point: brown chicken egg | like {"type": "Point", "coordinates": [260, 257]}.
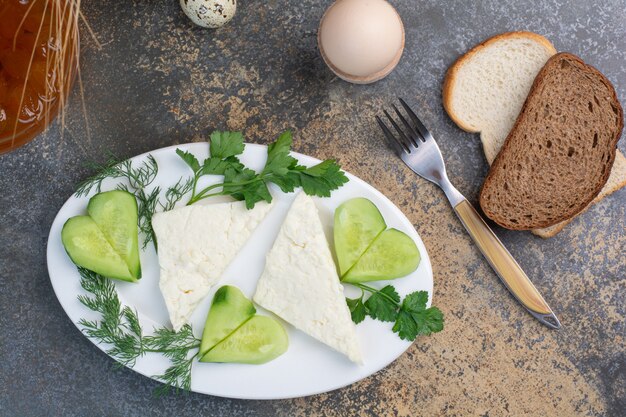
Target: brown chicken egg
{"type": "Point", "coordinates": [361, 40]}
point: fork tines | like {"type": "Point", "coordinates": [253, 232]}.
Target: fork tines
{"type": "Point", "coordinates": [409, 138]}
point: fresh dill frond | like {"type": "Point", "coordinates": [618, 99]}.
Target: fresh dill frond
{"type": "Point", "coordinates": [120, 328]}
{"type": "Point", "coordinates": [176, 192]}
{"type": "Point", "coordinates": [109, 169]}
{"type": "Point", "coordinates": [177, 377]}
{"type": "Point", "coordinates": [141, 177]}
{"type": "Point", "coordinates": [177, 347]}
{"type": "Point", "coordinates": [138, 178]}
{"type": "Point", "coordinates": [165, 339]}
{"type": "Point", "coordinates": [132, 321]}
{"type": "Point", "coordinates": [146, 207]}
{"type": "Point", "coordinates": [147, 203]}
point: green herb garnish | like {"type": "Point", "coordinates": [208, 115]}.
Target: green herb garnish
{"type": "Point", "coordinates": [175, 193]}
{"type": "Point", "coordinates": [138, 178]}
{"type": "Point", "coordinates": [411, 317]}
{"type": "Point", "coordinates": [119, 327]}
{"type": "Point", "coordinates": [245, 184]}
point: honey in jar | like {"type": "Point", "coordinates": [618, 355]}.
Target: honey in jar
{"type": "Point", "coordinates": [38, 59]}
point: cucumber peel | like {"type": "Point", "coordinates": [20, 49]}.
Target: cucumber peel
{"type": "Point", "coordinates": [368, 251]}
{"type": "Point", "coordinates": [106, 240]}
{"type": "Point", "coordinates": [391, 255]}
{"type": "Point", "coordinates": [115, 213]}
{"type": "Point", "coordinates": [229, 310]}
{"type": "Point", "coordinates": [259, 340]}
{"type": "Point", "coordinates": [234, 334]}
{"type": "Point", "coordinates": [357, 223]}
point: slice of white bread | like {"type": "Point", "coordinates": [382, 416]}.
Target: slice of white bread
{"type": "Point", "coordinates": [486, 88]}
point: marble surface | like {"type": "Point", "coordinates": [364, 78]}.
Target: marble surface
{"type": "Point", "coordinates": [157, 81]}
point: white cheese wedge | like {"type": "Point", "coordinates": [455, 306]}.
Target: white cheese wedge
{"type": "Point", "coordinates": [195, 245]}
{"type": "Point", "coordinates": [300, 282]}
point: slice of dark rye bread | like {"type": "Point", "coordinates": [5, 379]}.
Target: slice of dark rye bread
{"type": "Point", "coordinates": [559, 154]}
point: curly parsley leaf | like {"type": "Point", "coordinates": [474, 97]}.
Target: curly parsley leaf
{"type": "Point", "coordinates": [415, 319]}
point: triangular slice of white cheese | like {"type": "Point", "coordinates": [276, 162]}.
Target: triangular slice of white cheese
{"type": "Point", "coordinates": [196, 243]}
{"type": "Point", "coordinates": [300, 282]}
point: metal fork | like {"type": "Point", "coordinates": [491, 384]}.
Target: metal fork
{"type": "Point", "coordinates": [418, 150]}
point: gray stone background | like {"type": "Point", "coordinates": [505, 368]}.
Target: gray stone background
{"type": "Point", "coordinates": [157, 81]}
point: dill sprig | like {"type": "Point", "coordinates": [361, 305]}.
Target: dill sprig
{"type": "Point", "coordinates": [176, 192]}
{"type": "Point", "coordinates": [145, 210]}
{"type": "Point", "coordinates": [113, 168]}
{"type": "Point", "coordinates": [141, 177]}
{"type": "Point", "coordinates": [119, 327]}
{"type": "Point", "coordinates": [176, 346]}
{"type": "Point", "coordinates": [138, 180]}
{"type": "Point", "coordinates": [109, 169]}
{"type": "Point", "coordinates": [146, 207]}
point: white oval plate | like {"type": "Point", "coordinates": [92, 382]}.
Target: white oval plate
{"type": "Point", "coordinates": [308, 367]}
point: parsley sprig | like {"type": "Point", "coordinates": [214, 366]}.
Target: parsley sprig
{"type": "Point", "coordinates": [411, 317]}
{"type": "Point", "coordinates": [119, 327]}
{"type": "Point", "coordinates": [243, 183]}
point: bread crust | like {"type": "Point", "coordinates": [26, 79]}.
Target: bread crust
{"type": "Point", "coordinates": [451, 75]}
{"type": "Point", "coordinates": [613, 148]}
{"type": "Point", "coordinates": [554, 229]}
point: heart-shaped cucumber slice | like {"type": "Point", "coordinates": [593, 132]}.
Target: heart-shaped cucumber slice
{"type": "Point", "coordinates": [357, 223]}
{"type": "Point", "coordinates": [365, 250]}
{"type": "Point", "coordinates": [87, 246]}
{"type": "Point", "coordinates": [393, 254]}
{"type": "Point", "coordinates": [259, 340]}
{"type": "Point", "coordinates": [232, 332]}
{"type": "Point", "coordinates": [106, 241]}
{"type": "Point", "coordinates": [115, 213]}
{"type": "Point", "coordinates": [229, 310]}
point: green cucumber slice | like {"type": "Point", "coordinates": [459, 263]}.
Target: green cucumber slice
{"type": "Point", "coordinates": [229, 310]}
{"type": "Point", "coordinates": [392, 255]}
{"type": "Point", "coordinates": [259, 340]}
{"type": "Point", "coordinates": [87, 246]}
{"type": "Point", "coordinates": [357, 223]}
{"type": "Point", "coordinates": [115, 213]}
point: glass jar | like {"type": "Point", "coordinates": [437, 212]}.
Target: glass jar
{"type": "Point", "coordinates": [38, 64]}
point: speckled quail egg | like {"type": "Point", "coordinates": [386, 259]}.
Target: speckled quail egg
{"type": "Point", "coordinates": [209, 13]}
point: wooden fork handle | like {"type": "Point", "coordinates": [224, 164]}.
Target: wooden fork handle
{"type": "Point", "coordinates": [505, 266]}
